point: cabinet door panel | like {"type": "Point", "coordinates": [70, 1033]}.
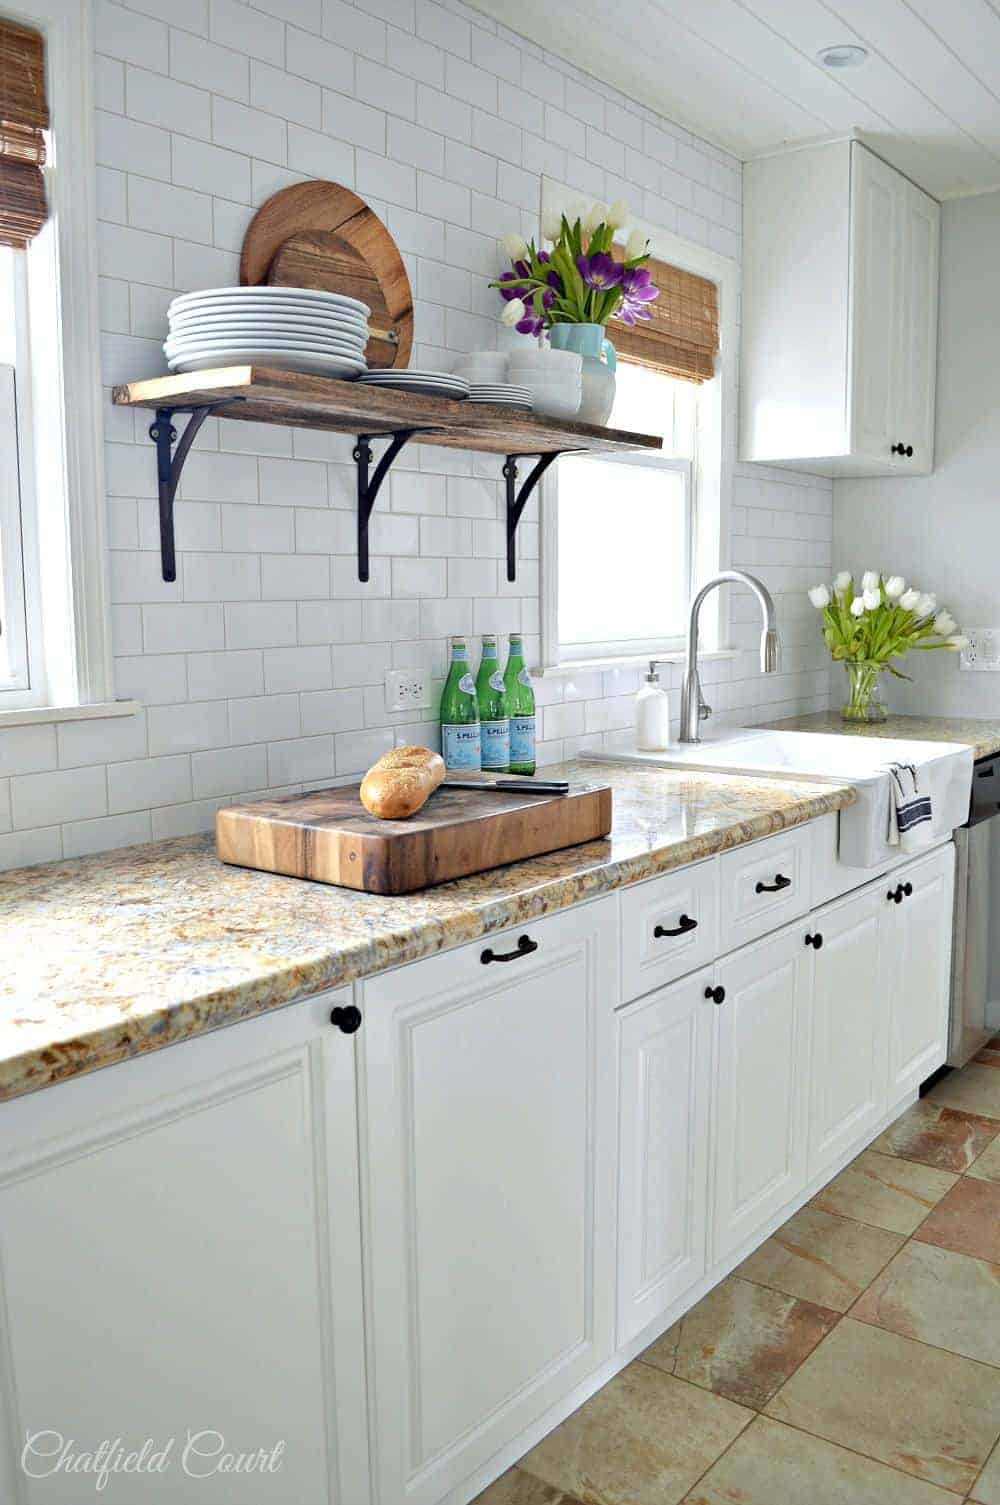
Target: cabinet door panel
{"type": "Point", "coordinates": [876, 191]}
{"type": "Point", "coordinates": [919, 965]}
{"type": "Point", "coordinates": [491, 1144]}
{"type": "Point", "coordinates": [186, 1259]}
{"type": "Point", "coordinates": [921, 220]}
{"type": "Point", "coordinates": [665, 1087]}
{"type": "Point", "coordinates": [850, 1018]}
{"type": "Point", "coordinates": [760, 1090]}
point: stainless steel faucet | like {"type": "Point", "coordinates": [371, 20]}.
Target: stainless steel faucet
{"type": "Point", "coordinates": [693, 708]}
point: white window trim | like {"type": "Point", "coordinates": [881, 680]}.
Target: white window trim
{"type": "Point", "coordinates": [713, 485]}
{"type": "Point", "coordinates": [80, 670]}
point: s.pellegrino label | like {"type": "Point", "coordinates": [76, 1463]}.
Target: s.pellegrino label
{"type": "Point", "coordinates": [521, 709]}
{"type": "Point", "coordinates": [461, 746]}
{"type": "Point", "coordinates": [494, 717]}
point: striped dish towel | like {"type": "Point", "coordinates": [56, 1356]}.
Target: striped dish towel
{"type": "Point", "coordinates": [911, 816]}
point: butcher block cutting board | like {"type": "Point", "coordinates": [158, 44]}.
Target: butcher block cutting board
{"type": "Point", "coordinates": [328, 835]}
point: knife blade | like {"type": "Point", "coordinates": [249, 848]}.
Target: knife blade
{"type": "Point", "coordinates": [509, 786]}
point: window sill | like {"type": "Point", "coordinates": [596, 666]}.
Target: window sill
{"type": "Point", "coordinates": [571, 667]}
{"type": "Point", "coordinates": [35, 715]}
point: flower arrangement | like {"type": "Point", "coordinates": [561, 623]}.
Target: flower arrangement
{"type": "Point", "coordinates": [866, 627]}
{"type": "Point", "coordinates": [577, 281]}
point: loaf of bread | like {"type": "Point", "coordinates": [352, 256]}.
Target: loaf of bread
{"type": "Point", "coordinates": [401, 782]}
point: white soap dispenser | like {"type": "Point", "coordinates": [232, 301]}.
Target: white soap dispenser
{"type": "Point", "coordinates": [652, 714]}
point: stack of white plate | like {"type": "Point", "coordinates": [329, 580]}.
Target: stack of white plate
{"type": "Point", "coordinates": [290, 327]}
{"type": "Point", "coordinates": [503, 393]}
{"type": "Point", "coordinates": [427, 383]}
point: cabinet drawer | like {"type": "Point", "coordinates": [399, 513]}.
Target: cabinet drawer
{"type": "Point", "coordinates": [763, 886]}
{"type": "Point", "coordinates": [670, 926]}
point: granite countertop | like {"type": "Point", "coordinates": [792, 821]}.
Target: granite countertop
{"type": "Point", "coordinates": [111, 956]}
{"type": "Point", "coordinates": [981, 735]}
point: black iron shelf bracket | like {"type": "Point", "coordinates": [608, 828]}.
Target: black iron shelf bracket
{"type": "Point", "coordinates": [518, 500]}
{"type": "Point", "coordinates": [170, 463]}
{"type": "Point", "coordinates": [369, 485]}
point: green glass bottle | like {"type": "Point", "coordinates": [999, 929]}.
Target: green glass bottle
{"type": "Point", "coordinates": [494, 717]}
{"type": "Point", "coordinates": [460, 737]}
{"type": "Point", "coordinates": [521, 708]}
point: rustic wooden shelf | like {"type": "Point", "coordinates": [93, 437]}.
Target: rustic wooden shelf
{"type": "Point", "coordinates": [265, 394]}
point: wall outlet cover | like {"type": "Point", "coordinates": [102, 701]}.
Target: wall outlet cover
{"type": "Point", "coordinates": [983, 653]}
{"type": "Point", "coordinates": [407, 690]}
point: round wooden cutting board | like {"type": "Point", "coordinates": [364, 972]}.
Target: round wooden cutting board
{"type": "Point", "coordinates": [322, 236]}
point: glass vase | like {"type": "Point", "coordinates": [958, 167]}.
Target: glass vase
{"type": "Point", "coordinates": [864, 693]}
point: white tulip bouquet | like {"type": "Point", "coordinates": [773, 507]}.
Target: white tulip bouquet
{"type": "Point", "coordinates": [867, 626]}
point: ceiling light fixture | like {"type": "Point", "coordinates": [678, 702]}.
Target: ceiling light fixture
{"type": "Point", "coordinates": [845, 56]}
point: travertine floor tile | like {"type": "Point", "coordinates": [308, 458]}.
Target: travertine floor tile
{"type": "Point", "coordinates": [741, 1340]}
{"type": "Point", "coordinates": [929, 1413]}
{"type": "Point", "coordinates": [821, 1258]}
{"type": "Point", "coordinates": [773, 1464]}
{"type": "Point", "coordinates": [644, 1439]}
{"type": "Point", "coordinates": [967, 1219]}
{"type": "Point", "coordinates": [518, 1488]}
{"type": "Point", "coordinates": [987, 1487]}
{"type": "Point", "coordinates": [938, 1136]}
{"type": "Point", "coordinates": [939, 1297]}
{"type": "Point", "coordinates": [987, 1167]}
{"type": "Point", "coordinates": [884, 1191]}
{"type": "Point", "coordinates": [974, 1089]}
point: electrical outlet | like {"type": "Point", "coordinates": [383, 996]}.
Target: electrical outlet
{"type": "Point", "coordinates": [983, 652]}
{"type": "Point", "coordinates": [407, 690]}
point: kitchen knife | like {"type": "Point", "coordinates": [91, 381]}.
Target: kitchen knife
{"type": "Point", "coordinates": [509, 786]}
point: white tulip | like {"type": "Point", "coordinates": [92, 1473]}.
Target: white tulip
{"type": "Point", "coordinates": [926, 606]}
{"type": "Point", "coordinates": [515, 246]}
{"type": "Point", "coordinates": [513, 312]}
{"type": "Point", "coordinates": [958, 642]}
{"type": "Point", "coordinates": [945, 624]}
{"type": "Point", "coordinates": [551, 225]}
{"type": "Point", "coordinates": [869, 580]}
{"type": "Point", "coordinates": [909, 599]}
{"type": "Point", "coordinates": [576, 211]}
{"type": "Point", "coordinates": [842, 583]}
{"type": "Point", "coordinates": [894, 587]}
{"type": "Point", "coordinates": [857, 607]}
{"type": "Point", "coordinates": [637, 245]}
{"type": "Point", "coordinates": [618, 214]}
{"type": "Point", "coordinates": [819, 596]}
{"type": "Point", "coordinates": [872, 599]}
{"type": "Point", "coordinates": [596, 215]}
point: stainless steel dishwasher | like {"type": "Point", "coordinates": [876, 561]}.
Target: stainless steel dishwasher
{"type": "Point", "coordinates": [975, 977]}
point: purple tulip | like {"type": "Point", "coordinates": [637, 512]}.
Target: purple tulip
{"type": "Point", "coordinates": [522, 269]}
{"type": "Point", "coordinates": [554, 280]}
{"type": "Point", "coordinates": [530, 325]}
{"type": "Point", "coordinates": [544, 256]}
{"type": "Point", "coordinates": [548, 298]}
{"type": "Point", "coordinates": [638, 285]}
{"type": "Point", "coordinates": [600, 270]}
{"type": "Point", "coordinates": [511, 290]}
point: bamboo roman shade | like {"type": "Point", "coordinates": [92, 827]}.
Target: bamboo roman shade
{"type": "Point", "coordinates": [682, 337]}
{"type": "Point", "coordinates": [24, 115]}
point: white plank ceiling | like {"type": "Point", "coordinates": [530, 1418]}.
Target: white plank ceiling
{"type": "Point", "coordinates": [743, 73]}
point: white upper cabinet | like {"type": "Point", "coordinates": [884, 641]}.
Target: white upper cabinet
{"type": "Point", "coordinates": [840, 278]}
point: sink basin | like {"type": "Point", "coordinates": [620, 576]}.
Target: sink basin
{"type": "Point", "coordinates": [827, 758]}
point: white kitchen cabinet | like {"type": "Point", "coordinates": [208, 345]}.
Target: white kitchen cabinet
{"type": "Point", "coordinates": [840, 287]}
{"type": "Point", "coordinates": [762, 1082]}
{"type": "Point", "coordinates": [850, 1025]}
{"type": "Point", "coordinates": [918, 937]}
{"type": "Point", "coordinates": [180, 1254]}
{"type": "Point", "coordinates": [665, 1053]}
{"type": "Point", "coordinates": [490, 1146]}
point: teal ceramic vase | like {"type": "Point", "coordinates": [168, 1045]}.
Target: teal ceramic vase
{"type": "Point", "coordinates": [599, 364]}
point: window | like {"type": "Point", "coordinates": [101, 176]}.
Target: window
{"type": "Point", "coordinates": [625, 540]}
{"type": "Point", "coordinates": [626, 527]}
{"type": "Point", "coordinates": [55, 630]}
{"type": "Point", "coordinates": [22, 679]}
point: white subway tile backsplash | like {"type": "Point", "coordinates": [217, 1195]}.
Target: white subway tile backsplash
{"type": "Point", "coordinates": [263, 667]}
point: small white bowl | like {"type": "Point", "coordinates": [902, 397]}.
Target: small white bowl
{"type": "Point", "coordinates": [548, 361]}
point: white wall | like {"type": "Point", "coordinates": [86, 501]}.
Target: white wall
{"type": "Point", "coordinates": [262, 667]}
{"type": "Point", "coordinates": [942, 531]}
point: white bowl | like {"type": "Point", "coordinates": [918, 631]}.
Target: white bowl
{"type": "Point", "coordinates": [548, 361]}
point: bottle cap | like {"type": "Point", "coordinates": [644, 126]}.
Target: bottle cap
{"type": "Point", "coordinates": [458, 642]}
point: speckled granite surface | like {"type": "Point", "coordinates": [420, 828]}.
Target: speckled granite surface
{"type": "Point", "coordinates": [103, 958]}
{"type": "Point", "coordinates": [982, 736]}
